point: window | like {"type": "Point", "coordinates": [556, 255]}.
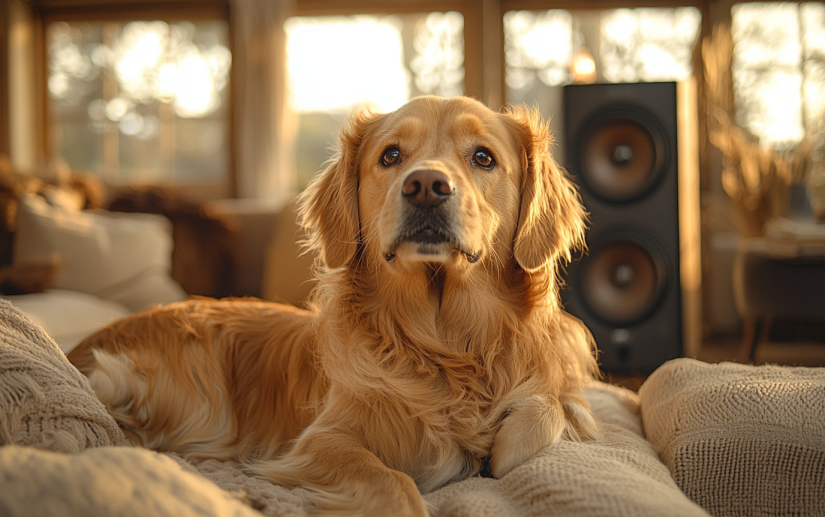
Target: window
{"type": "Point", "coordinates": [650, 44]}
{"type": "Point", "coordinates": [141, 102]}
{"type": "Point", "coordinates": [337, 64]}
{"type": "Point", "coordinates": [779, 53]}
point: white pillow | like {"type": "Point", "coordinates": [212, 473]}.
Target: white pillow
{"type": "Point", "coordinates": [122, 257]}
{"type": "Point", "coordinates": [68, 316]}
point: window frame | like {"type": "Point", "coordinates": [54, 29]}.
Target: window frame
{"type": "Point", "coordinates": [734, 110]}
{"type": "Point", "coordinates": [52, 11]}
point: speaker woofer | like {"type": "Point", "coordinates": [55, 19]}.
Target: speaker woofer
{"type": "Point", "coordinates": [623, 279]}
{"type": "Point", "coordinates": [622, 154]}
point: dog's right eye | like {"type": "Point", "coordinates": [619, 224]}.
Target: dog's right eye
{"type": "Point", "coordinates": [391, 156]}
{"type": "Point", "coordinates": [484, 158]}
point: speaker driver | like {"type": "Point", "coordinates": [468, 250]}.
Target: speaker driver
{"type": "Point", "coordinates": [622, 280]}
{"type": "Point", "coordinates": [622, 155]}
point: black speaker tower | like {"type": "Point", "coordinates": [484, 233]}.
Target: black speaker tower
{"type": "Point", "coordinates": [622, 147]}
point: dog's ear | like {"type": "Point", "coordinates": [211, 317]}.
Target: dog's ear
{"type": "Point", "coordinates": [329, 205]}
{"type": "Point", "coordinates": [551, 216]}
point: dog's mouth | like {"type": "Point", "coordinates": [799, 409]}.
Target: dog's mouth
{"type": "Point", "coordinates": [427, 235]}
{"type": "Point", "coordinates": [430, 241]}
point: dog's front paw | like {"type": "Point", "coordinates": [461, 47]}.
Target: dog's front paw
{"type": "Point", "coordinates": [532, 424]}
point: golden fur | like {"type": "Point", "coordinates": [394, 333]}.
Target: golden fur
{"type": "Point", "coordinates": [422, 358]}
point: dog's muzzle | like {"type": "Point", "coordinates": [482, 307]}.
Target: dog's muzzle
{"type": "Point", "coordinates": [428, 221]}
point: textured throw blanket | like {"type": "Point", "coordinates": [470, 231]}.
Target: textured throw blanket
{"type": "Point", "coordinates": [60, 456]}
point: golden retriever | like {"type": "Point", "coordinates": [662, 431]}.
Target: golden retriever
{"type": "Point", "coordinates": [436, 346]}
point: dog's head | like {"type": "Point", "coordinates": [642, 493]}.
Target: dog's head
{"type": "Point", "coordinates": [444, 181]}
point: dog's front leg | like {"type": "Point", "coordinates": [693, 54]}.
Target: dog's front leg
{"type": "Point", "coordinates": [531, 424]}
{"type": "Point", "coordinates": [348, 478]}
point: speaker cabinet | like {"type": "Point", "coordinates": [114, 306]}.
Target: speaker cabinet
{"type": "Point", "coordinates": [632, 150]}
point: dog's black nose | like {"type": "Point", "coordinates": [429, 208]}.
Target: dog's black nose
{"type": "Point", "coordinates": [427, 187]}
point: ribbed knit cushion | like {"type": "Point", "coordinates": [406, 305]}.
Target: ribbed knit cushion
{"type": "Point", "coordinates": [44, 401]}
{"type": "Point", "coordinates": [738, 439]}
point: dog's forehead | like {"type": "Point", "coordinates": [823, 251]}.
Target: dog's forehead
{"type": "Point", "coordinates": [437, 120]}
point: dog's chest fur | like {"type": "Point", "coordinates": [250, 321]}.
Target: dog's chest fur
{"type": "Point", "coordinates": [428, 375]}
{"type": "Point", "coordinates": [439, 433]}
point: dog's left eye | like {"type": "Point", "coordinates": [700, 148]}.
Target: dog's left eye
{"type": "Point", "coordinates": [484, 158]}
{"type": "Point", "coordinates": [391, 156]}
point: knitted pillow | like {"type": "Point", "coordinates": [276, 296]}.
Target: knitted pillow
{"type": "Point", "coordinates": [739, 439]}
{"type": "Point", "coordinates": [44, 401]}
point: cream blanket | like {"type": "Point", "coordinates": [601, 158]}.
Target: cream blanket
{"type": "Point", "coordinates": [60, 458]}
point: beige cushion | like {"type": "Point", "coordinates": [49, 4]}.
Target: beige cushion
{"type": "Point", "coordinates": [617, 476]}
{"type": "Point", "coordinates": [122, 257]}
{"type": "Point", "coordinates": [739, 439]}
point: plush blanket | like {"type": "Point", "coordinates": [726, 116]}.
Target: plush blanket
{"type": "Point", "coordinates": [61, 455]}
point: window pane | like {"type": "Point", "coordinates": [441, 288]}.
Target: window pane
{"type": "Point", "coordinates": [141, 101]}
{"type": "Point", "coordinates": [649, 44]}
{"type": "Point", "coordinates": [779, 53]}
{"type": "Point", "coordinates": [537, 46]}
{"type": "Point", "coordinates": [338, 63]}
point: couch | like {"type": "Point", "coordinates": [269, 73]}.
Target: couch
{"type": "Point", "coordinates": [698, 439]}
{"type": "Point", "coordinates": [150, 246]}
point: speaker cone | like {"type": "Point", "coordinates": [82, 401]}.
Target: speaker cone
{"type": "Point", "coordinates": [622, 155]}
{"type": "Point", "coordinates": [622, 280]}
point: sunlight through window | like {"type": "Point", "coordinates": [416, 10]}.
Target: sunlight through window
{"type": "Point", "coordinates": [779, 53]}
{"type": "Point", "coordinates": [538, 46]}
{"type": "Point", "coordinates": [337, 63]}
{"type": "Point", "coordinates": [649, 44]}
{"type": "Point", "coordinates": [545, 50]}
{"type": "Point", "coordinates": [141, 101]}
